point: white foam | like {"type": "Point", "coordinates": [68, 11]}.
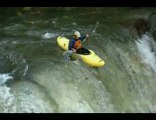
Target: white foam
{"type": "Point", "coordinates": [13, 27]}
{"type": "Point", "coordinates": [72, 91]}
{"type": "Point", "coordinates": [30, 98]}
{"type": "Point", "coordinates": [4, 78]}
{"type": "Point", "coordinates": [49, 35]}
{"type": "Point", "coordinates": [26, 67]}
{"type": "Point", "coordinates": [144, 47]}
{"type": "Point", "coordinates": [74, 24]}
{"type": "Point", "coordinates": [6, 98]}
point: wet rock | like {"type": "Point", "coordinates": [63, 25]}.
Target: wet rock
{"type": "Point", "coordinates": [142, 26]}
{"type": "Point", "coordinates": [152, 22]}
{"type": "Point", "coordinates": [154, 35]}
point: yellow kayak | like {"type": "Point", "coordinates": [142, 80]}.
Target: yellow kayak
{"type": "Point", "coordinates": [92, 59]}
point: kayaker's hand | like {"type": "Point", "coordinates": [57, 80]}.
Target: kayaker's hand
{"type": "Point", "coordinates": [74, 50]}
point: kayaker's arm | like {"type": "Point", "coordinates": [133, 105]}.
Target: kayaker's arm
{"type": "Point", "coordinates": [83, 38]}
{"type": "Point", "coordinates": [71, 44]}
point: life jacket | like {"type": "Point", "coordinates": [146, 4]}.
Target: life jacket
{"type": "Point", "coordinates": [77, 44]}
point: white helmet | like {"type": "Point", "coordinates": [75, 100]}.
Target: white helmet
{"type": "Point", "coordinates": [77, 33]}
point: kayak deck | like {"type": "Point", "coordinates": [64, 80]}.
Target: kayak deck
{"type": "Point", "coordinates": [90, 58]}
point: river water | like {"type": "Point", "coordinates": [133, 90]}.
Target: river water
{"type": "Point", "coordinates": [35, 78]}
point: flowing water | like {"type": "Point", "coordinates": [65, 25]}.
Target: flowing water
{"type": "Point", "coordinates": [34, 76]}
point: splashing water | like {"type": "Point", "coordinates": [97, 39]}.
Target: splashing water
{"type": "Point", "coordinates": [49, 35]}
{"type": "Point", "coordinates": [144, 45]}
{"type": "Point", "coordinates": [6, 98]}
{"type": "Point", "coordinates": [4, 78]}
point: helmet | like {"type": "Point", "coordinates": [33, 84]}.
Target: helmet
{"type": "Point", "coordinates": [77, 33]}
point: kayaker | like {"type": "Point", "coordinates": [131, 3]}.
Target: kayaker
{"type": "Point", "coordinates": [75, 45]}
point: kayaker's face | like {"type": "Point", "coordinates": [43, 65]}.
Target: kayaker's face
{"type": "Point", "coordinates": [75, 37]}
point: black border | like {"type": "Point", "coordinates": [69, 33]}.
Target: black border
{"type": "Point", "coordinates": [78, 3]}
{"type": "Point", "coordinates": [79, 116]}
